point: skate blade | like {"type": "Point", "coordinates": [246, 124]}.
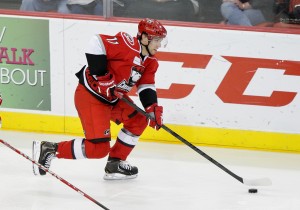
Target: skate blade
{"type": "Point", "coordinates": [117, 176]}
{"type": "Point", "coordinates": [36, 151]}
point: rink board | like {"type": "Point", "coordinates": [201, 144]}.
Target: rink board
{"type": "Point", "coordinates": [216, 137]}
{"type": "Point", "coordinates": [217, 87]}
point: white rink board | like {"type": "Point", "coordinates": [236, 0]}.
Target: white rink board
{"type": "Point", "coordinates": [202, 107]}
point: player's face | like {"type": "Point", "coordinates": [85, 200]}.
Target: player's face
{"type": "Point", "coordinates": [154, 45]}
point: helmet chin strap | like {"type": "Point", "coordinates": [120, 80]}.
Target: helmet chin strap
{"type": "Point", "coordinates": [147, 47]}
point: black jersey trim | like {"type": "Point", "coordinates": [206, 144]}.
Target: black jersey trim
{"type": "Point", "coordinates": [148, 97]}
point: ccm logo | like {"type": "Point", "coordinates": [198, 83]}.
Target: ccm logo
{"type": "Point", "coordinates": [236, 80]}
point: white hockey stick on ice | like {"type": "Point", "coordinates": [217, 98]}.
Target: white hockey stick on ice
{"type": "Point", "coordinates": [55, 175]}
{"type": "Point", "coordinates": [250, 182]}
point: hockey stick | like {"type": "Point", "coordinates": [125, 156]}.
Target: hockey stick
{"type": "Point", "coordinates": [250, 182]}
{"type": "Point", "coordinates": [53, 174]}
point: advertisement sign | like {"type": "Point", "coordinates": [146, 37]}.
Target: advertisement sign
{"type": "Point", "coordinates": [205, 81]}
{"type": "Point", "coordinates": [25, 64]}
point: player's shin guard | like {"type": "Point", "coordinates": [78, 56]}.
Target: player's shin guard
{"type": "Point", "coordinates": [73, 149]}
{"type": "Point", "coordinates": [83, 148]}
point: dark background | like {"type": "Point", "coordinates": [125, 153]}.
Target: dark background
{"type": "Point", "coordinates": [180, 10]}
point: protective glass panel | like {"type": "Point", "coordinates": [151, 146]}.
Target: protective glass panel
{"type": "Point", "coordinates": [267, 13]}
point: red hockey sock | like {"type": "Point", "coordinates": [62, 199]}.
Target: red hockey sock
{"type": "Point", "coordinates": [96, 150]}
{"type": "Point", "coordinates": [65, 150]}
{"type": "Point", "coordinates": [120, 150]}
{"type": "Point", "coordinates": [82, 148]}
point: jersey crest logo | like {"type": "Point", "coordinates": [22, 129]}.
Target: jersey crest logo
{"type": "Point", "coordinates": [128, 38]}
{"type": "Point", "coordinates": [135, 75]}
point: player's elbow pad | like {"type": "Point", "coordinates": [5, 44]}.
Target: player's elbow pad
{"type": "Point", "coordinates": [97, 64]}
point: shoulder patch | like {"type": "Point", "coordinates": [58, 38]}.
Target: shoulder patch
{"type": "Point", "coordinates": [128, 38]}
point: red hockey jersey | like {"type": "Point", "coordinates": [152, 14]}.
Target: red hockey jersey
{"type": "Point", "coordinates": [125, 62]}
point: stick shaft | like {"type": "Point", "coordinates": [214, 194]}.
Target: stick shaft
{"type": "Point", "coordinates": [53, 174]}
{"type": "Point", "coordinates": [183, 140]}
{"type": "Point", "coordinates": [196, 149]}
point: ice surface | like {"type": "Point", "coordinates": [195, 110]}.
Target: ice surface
{"type": "Point", "coordinates": [170, 177]}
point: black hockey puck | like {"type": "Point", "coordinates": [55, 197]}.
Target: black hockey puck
{"type": "Point", "coordinates": [252, 190]}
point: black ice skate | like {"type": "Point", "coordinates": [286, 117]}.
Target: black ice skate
{"type": "Point", "coordinates": [119, 169]}
{"type": "Point", "coordinates": [43, 152]}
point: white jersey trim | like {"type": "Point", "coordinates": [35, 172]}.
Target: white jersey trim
{"type": "Point", "coordinates": [96, 46]}
{"type": "Point", "coordinates": [145, 86]}
{"type": "Point", "coordinates": [78, 150]}
{"type": "Point", "coordinates": [128, 138]}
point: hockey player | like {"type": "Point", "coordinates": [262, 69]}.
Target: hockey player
{"type": "Point", "coordinates": [114, 64]}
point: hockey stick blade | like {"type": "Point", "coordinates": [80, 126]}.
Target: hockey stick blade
{"type": "Point", "coordinates": [55, 175]}
{"type": "Point", "coordinates": [257, 182]}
